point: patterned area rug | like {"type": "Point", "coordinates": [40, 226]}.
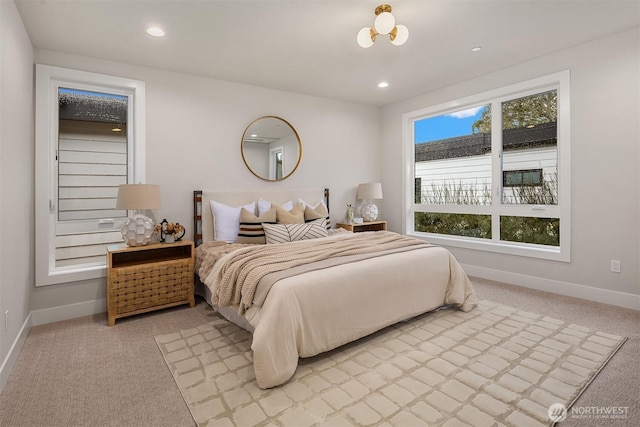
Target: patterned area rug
{"type": "Point", "coordinates": [493, 364]}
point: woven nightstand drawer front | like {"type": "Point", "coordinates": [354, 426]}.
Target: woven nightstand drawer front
{"type": "Point", "coordinates": [149, 285]}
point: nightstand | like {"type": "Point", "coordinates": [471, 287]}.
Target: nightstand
{"type": "Point", "coordinates": [150, 277]}
{"type": "Point", "coordinates": [365, 226]}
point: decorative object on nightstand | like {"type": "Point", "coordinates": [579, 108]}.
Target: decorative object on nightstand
{"type": "Point", "coordinates": [170, 232]}
{"type": "Point", "coordinates": [137, 231]}
{"type": "Point", "coordinates": [348, 216]}
{"type": "Point", "coordinates": [369, 192]}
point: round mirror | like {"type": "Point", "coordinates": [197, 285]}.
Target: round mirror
{"type": "Point", "coordinates": [271, 148]}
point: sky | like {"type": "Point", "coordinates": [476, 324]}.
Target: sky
{"type": "Point", "coordinates": [447, 125]}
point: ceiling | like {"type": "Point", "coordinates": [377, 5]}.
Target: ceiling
{"type": "Point", "coordinates": [309, 46]}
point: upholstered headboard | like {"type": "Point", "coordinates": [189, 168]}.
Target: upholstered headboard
{"type": "Point", "coordinates": [203, 217]}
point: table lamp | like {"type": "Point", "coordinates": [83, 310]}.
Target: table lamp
{"type": "Point", "coordinates": [137, 231]}
{"type": "Point", "coordinates": [369, 192]}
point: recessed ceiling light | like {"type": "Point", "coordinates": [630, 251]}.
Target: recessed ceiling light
{"type": "Point", "coordinates": [476, 49]}
{"type": "Point", "coordinates": [155, 31]}
{"type": "Point", "coordinates": [383, 84]}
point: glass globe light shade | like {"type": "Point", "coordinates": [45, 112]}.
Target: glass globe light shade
{"type": "Point", "coordinates": [364, 37]}
{"type": "Point", "coordinates": [401, 35]}
{"type": "Point", "coordinates": [384, 23]}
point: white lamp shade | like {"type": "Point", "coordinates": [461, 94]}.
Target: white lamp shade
{"type": "Point", "coordinates": [384, 23]}
{"type": "Point", "coordinates": [370, 191]}
{"type": "Point", "coordinates": [401, 36]}
{"type": "Point", "coordinates": [138, 197]}
{"type": "Point", "coordinates": [364, 37]}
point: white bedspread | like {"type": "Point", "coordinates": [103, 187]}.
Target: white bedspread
{"type": "Point", "coordinates": [320, 310]}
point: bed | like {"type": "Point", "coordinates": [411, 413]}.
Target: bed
{"type": "Point", "coordinates": [357, 284]}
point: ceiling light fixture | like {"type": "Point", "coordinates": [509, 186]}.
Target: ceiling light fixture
{"type": "Point", "coordinates": [385, 23]}
{"type": "Point", "coordinates": [476, 49]}
{"type": "Point", "coordinates": [383, 84]}
{"type": "Point", "coordinates": [155, 31]}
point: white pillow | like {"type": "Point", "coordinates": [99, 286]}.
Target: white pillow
{"type": "Point", "coordinates": [265, 205]}
{"type": "Point", "coordinates": [282, 233]}
{"type": "Point", "coordinates": [226, 220]}
{"type": "Point", "coordinates": [305, 204]}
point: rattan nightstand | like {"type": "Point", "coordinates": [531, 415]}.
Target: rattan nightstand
{"type": "Point", "coordinates": [364, 226]}
{"type": "Point", "coordinates": [150, 277]}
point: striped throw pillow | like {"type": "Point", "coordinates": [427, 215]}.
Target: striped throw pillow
{"type": "Point", "coordinates": [251, 230]}
{"type": "Point", "coordinates": [282, 233]}
{"type": "Point", "coordinates": [317, 212]}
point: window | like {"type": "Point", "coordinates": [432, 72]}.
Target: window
{"type": "Point", "coordinates": [522, 178]}
{"type": "Point", "coordinates": [89, 140]}
{"type": "Point", "coordinates": [491, 171]}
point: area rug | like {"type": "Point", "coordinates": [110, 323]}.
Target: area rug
{"type": "Point", "coordinates": [495, 364]}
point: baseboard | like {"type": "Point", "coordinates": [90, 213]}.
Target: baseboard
{"type": "Point", "coordinates": [14, 351]}
{"type": "Point", "coordinates": [605, 296]}
{"type": "Point", "coordinates": [69, 311]}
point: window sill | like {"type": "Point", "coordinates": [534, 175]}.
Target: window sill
{"type": "Point", "coordinates": [73, 275]}
{"type": "Point", "coordinates": [510, 248]}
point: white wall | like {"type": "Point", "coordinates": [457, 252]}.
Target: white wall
{"type": "Point", "coordinates": [16, 183]}
{"type": "Point", "coordinates": [605, 138]}
{"type": "Point", "coordinates": [199, 123]}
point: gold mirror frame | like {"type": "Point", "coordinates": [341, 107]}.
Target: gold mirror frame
{"type": "Point", "coordinates": [264, 134]}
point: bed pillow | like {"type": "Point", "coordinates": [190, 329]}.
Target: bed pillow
{"type": "Point", "coordinates": [292, 216]}
{"type": "Point", "coordinates": [305, 204]}
{"type": "Point", "coordinates": [265, 205]}
{"type": "Point", "coordinates": [317, 212]}
{"type": "Point", "coordinates": [283, 233]}
{"type": "Point", "coordinates": [251, 230]}
{"type": "Point", "coordinates": [226, 220]}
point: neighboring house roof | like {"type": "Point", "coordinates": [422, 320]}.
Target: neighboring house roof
{"type": "Point", "coordinates": [480, 143]}
{"type": "Point", "coordinates": [76, 106]}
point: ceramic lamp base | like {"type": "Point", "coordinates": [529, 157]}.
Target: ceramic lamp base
{"type": "Point", "coordinates": [369, 211]}
{"type": "Point", "coordinates": [137, 231]}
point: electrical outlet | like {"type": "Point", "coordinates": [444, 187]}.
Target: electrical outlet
{"type": "Point", "coordinates": [6, 320]}
{"type": "Point", "coordinates": [615, 265]}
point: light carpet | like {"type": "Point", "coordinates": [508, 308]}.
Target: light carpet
{"type": "Point", "coordinates": [495, 365]}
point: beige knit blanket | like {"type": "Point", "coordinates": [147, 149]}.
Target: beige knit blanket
{"type": "Point", "coordinates": [237, 279]}
{"type": "Point", "coordinates": [209, 253]}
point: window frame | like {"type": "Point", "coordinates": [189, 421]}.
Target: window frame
{"type": "Point", "coordinates": [558, 81]}
{"type": "Point", "coordinates": [48, 80]}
